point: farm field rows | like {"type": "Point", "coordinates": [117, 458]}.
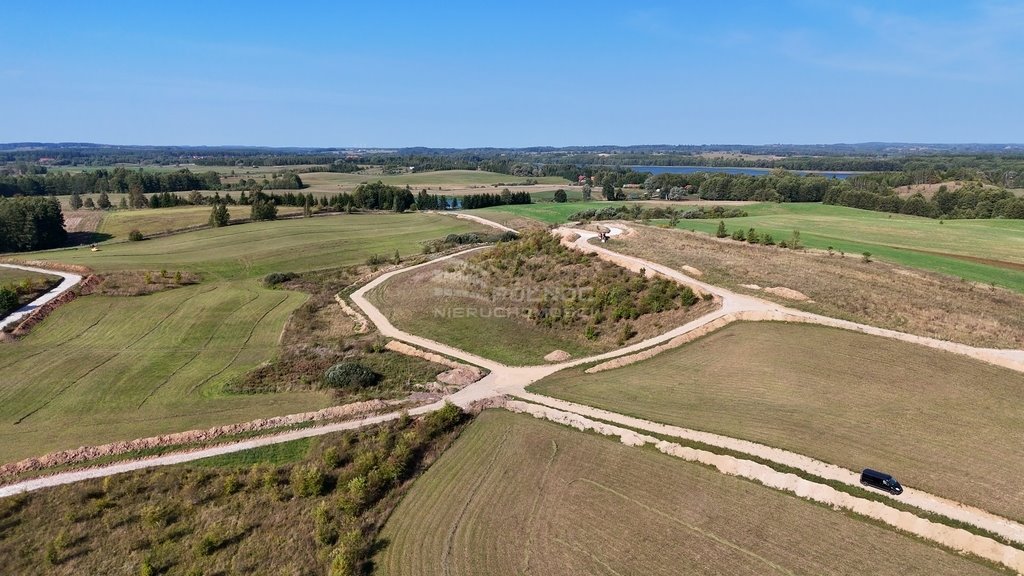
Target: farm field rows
{"type": "Point", "coordinates": [516, 495]}
{"type": "Point", "coordinates": [849, 399]}
{"type": "Point", "coordinates": [255, 249]}
{"type": "Point", "coordinates": [981, 250]}
{"type": "Point", "coordinates": [105, 368]}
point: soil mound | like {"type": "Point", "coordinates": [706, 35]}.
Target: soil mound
{"type": "Point", "coordinates": [557, 356]}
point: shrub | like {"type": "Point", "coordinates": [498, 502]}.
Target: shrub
{"type": "Point", "coordinates": [350, 375]}
{"type": "Point", "coordinates": [866, 257]}
{"type": "Point", "coordinates": [443, 420]}
{"type": "Point", "coordinates": [308, 481]}
{"type": "Point", "coordinates": [560, 196]}
{"type": "Point", "coordinates": [275, 278]}
{"type": "Point", "coordinates": [322, 527]}
{"type": "Point", "coordinates": [231, 484]}
{"type": "Point", "coordinates": [376, 260]}
{"type": "Point", "coordinates": [8, 300]}
{"type": "Point", "coordinates": [135, 235]}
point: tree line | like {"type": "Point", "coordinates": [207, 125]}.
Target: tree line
{"type": "Point", "coordinates": [970, 201]}
{"type": "Point", "coordinates": [472, 201]}
{"type": "Point", "coordinates": [118, 180]}
{"type": "Point", "coordinates": [31, 224]}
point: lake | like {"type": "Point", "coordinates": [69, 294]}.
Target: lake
{"type": "Point", "coordinates": [747, 171]}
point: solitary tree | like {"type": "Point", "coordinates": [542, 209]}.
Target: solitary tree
{"type": "Point", "coordinates": [104, 201]}
{"type": "Point", "coordinates": [123, 204]}
{"type": "Point", "coordinates": [609, 191]}
{"type": "Point", "coordinates": [75, 201]}
{"type": "Point", "coordinates": [721, 232]}
{"type": "Point", "coordinates": [560, 196]}
{"type": "Point", "coordinates": [219, 215]}
{"type": "Point", "coordinates": [89, 204]}
{"type": "Point", "coordinates": [307, 210]}
{"type": "Point", "coordinates": [587, 192]}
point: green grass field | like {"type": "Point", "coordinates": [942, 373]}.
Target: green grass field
{"type": "Point", "coordinates": [13, 276]}
{"type": "Point", "coordinates": [105, 368]}
{"type": "Point", "coordinates": [988, 251]}
{"type": "Point", "coordinates": [119, 223]}
{"type": "Point", "coordinates": [515, 495]}
{"type": "Point", "coordinates": [255, 249]}
{"type": "Point", "coordinates": [937, 421]}
{"type": "Point", "coordinates": [981, 250]}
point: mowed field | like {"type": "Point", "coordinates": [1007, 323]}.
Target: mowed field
{"type": "Point", "coordinates": [988, 251]}
{"type": "Point", "coordinates": [119, 223]}
{"type": "Point", "coordinates": [105, 368]}
{"type": "Point", "coordinates": [515, 495]}
{"type": "Point", "coordinates": [937, 421]}
{"type": "Point", "coordinates": [14, 276]}
{"type": "Point", "coordinates": [109, 368]}
{"type": "Point", "coordinates": [255, 249]}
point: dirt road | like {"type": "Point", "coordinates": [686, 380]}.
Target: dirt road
{"type": "Point", "coordinates": [69, 280]}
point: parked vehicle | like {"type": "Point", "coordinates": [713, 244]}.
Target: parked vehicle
{"type": "Point", "coordinates": [880, 480]}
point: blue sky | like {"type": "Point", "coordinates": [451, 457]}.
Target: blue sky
{"type": "Point", "coordinates": [465, 74]}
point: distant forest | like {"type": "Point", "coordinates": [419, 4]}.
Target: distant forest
{"type": "Point", "coordinates": [25, 170]}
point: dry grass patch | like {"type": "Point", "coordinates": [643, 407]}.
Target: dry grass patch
{"type": "Point", "coordinates": [876, 293]}
{"type": "Point", "coordinates": [142, 282]}
{"type": "Point", "coordinates": [940, 422]}
{"type": "Point", "coordinates": [515, 495]}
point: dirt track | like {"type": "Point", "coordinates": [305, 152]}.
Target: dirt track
{"type": "Point", "coordinates": [504, 380]}
{"type": "Point", "coordinates": [69, 281]}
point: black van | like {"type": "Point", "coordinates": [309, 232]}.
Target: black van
{"type": "Point", "coordinates": [880, 480]}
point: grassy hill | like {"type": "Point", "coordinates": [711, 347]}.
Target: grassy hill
{"type": "Point", "coordinates": [106, 368]}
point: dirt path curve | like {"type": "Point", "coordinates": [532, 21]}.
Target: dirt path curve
{"type": "Point", "coordinates": [69, 280]}
{"type": "Point", "coordinates": [752, 308]}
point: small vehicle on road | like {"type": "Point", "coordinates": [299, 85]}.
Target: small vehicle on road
{"type": "Point", "coordinates": [880, 480]}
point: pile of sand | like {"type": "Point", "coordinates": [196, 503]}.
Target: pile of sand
{"type": "Point", "coordinates": [461, 376]}
{"type": "Point", "coordinates": [788, 293]}
{"type": "Point", "coordinates": [557, 356]}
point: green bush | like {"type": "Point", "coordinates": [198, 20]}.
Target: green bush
{"type": "Point", "coordinates": [8, 300]}
{"type": "Point", "coordinates": [275, 278]}
{"type": "Point", "coordinates": [350, 375]}
{"type": "Point", "coordinates": [135, 235]}
{"type": "Point", "coordinates": [308, 481]}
